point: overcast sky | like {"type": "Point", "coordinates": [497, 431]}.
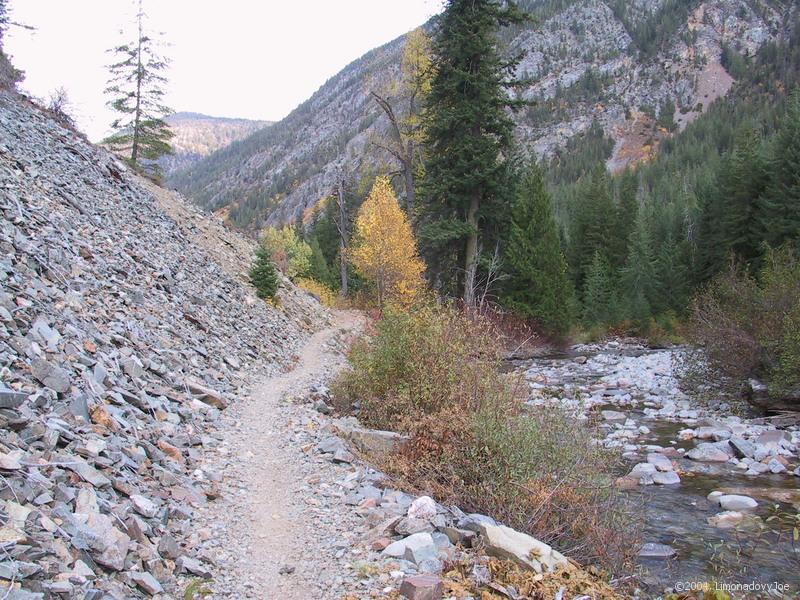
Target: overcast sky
{"type": "Point", "coordinates": [256, 59]}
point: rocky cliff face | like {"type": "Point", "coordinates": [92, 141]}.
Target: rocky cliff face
{"type": "Point", "coordinates": [197, 136]}
{"type": "Point", "coordinates": [121, 340]}
{"type": "Point", "coordinates": [619, 63]}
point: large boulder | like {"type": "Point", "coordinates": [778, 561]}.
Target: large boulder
{"type": "Point", "coordinates": [503, 542]}
{"type": "Point", "coordinates": [372, 442]}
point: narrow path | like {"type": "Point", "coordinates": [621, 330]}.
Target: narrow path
{"type": "Point", "coordinates": [271, 523]}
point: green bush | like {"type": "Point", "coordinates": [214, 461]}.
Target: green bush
{"type": "Point", "coordinates": [263, 274]}
{"type": "Point", "coordinates": [432, 373]}
{"type": "Point", "coordinates": [750, 327]}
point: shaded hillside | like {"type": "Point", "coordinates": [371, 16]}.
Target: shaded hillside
{"type": "Point", "coordinates": [625, 65]}
{"type": "Point", "coordinates": [197, 136]}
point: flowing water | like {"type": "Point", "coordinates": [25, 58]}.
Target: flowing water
{"type": "Point", "coordinates": [640, 383]}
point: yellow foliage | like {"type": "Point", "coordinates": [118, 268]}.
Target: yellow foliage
{"type": "Point", "coordinates": [385, 250]}
{"type": "Point", "coordinates": [327, 297]}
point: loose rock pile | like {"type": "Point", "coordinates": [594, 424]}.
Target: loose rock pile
{"type": "Point", "coordinates": [120, 343]}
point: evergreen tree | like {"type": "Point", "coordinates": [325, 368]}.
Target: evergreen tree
{"type": "Point", "coordinates": [672, 275]}
{"type": "Point", "coordinates": [468, 140]}
{"type": "Point", "coordinates": [537, 284]}
{"type": "Point", "coordinates": [742, 185]}
{"type": "Point", "coordinates": [781, 218]}
{"type": "Point", "coordinates": [639, 281]}
{"type": "Point", "coordinates": [593, 226]}
{"type": "Point", "coordinates": [136, 88]}
{"type": "Point", "coordinates": [597, 293]}
{"type": "Point", "coordinates": [263, 274]}
{"type": "Point", "coordinates": [319, 268]}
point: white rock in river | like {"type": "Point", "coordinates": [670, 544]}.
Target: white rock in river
{"type": "Point", "coordinates": [659, 461]}
{"type": "Point", "coordinates": [736, 502]}
{"type": "Point", "coordinates": [667, 478]}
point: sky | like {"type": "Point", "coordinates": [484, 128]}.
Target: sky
{"type": "Point", "coordinates": [255, 59]}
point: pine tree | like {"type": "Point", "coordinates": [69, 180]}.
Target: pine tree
{"type": "Point", "coordinates": [672, 275]}
{"type": "Point", "coordinates": [781, 219]}
{"type": "Point", "coordinates": [597, 293]}
{"type": "Point", "coordinates": [639, 281]}
{"type": "Point", "coordinates": [468, 140]}
{"type": "Point", "coordinates": [742, 186]}
{"type": "Point", "coordinates": [263, 274]}
{"type": "Point", "coordinates": [319, 269]}
{"type": "Point", "coordinates": [537, 284]}
{"type": "Point", "coordinates": [384, 250]}
{"type": "Point", "coordinates": [136, 88]}
{"type": "Point", "coordinates": [593, 227]}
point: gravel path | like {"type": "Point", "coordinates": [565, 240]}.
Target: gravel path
{"type": "Point", "coordinates": [270, 535]}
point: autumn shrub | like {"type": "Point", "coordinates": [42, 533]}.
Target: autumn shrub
{"type": "Point", "coordinates": [326, 296]}
{"type": "Point", "coordinates": [432, 373]}
{"type": "Point", "coordinates": [288, 251]}
{"type": "Point", "coordinates": [750, 326]}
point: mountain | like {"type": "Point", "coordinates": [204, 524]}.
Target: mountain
{"type": "Point", "coordinates": [198, 135]}
{"type": "Point", "coordinates": [639, 69]}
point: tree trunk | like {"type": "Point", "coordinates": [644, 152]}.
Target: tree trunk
{"type": "Point", "coordinates": [408, 172]}
{"type": "Point", "coordinates": [471, 258]}
{"type": "Point", "coordinates": [342, 238]}
{"type": "Point", "coordinates": [139, 76]}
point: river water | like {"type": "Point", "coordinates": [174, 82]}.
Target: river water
{"type": "Point", "coordinates": [633, 396]}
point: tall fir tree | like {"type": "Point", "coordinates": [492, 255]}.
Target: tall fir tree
{"type": "Point", "coordinates": [468, 141]}
{"type": "Point", "coordinates": [598, 293]}
{"type": "Point", "coordinates": [639, 281]}
{"type": "Point", "coordinates": [136, 89]}
{"type": "Point", "coordinates": [537, 284]}
{"type": "Point", "coordinates": [781, 218]}
{"type": "Point", "coordinates": [593, 227]}
{"type": "Point", "coordinates": [742, 186]}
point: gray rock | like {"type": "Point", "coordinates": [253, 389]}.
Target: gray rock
{"type": "Point", "coordinates": [774, 439]}
{"type": "Point", "coordinates": [776, 466]}
{"type": "Point", "coordinates": [406, 526]}
{"type": "Point", "coordinates": [11, 399]}
{"type": "Point", "coordinates": [613, 416]}
{"type": "Point", "coordinates": [666, 478]}
{"type": "Point", "coordinates": [709, 452]}
{"type": "Point", "coordinates": [50, 375]}
{"type": "Point", "coordinates": [742, 448]}
{"type": "Point", "coordinates": [735, 502]}
{"type": "Point", "coordinates": [192, 566]}
{"type": "Point", "coordinates": [415, 548]}
{"type": "Point", "coordinates": [144, 506]}
{"type": "Point", "coordinates": [506, 543]}
{"type": "Point", "coordinates": [659, 461]}
{"type": "Point", "coordinates": [147, 582]}
{"type": "Point", "coordinates": [654, 550]}
{"type": "Point", "coordinates": [473, 522]}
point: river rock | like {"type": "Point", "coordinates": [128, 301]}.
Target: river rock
{"type": "Point", "coordinates": [654, 550]}
{"type": "Point", "coordinates": [774, 439]}
{"type": "Point", "coordinates": [613, 416]}
{"type": "Point", "coordinates": [736, 503]}
{"type": "Point", "coordinates": [666, 478]}
{"type": "Point", "coordinates": [709, 452]}
{"type": "Point", "coordinates": [506, 543]}
{"type": "Point", "coordinates": [659, 461]}
{"type": "Point", "coordinates": [742, 448]}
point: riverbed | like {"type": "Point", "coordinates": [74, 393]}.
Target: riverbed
{"type": "Point", "coordinates": [719, 491]}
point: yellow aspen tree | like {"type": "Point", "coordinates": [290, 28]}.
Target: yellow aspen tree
{"type": "Point", "coordinates": [385, 250]}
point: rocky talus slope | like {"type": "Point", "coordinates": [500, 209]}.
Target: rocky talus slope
{"type": "Point", "coordinates": [125, 328]}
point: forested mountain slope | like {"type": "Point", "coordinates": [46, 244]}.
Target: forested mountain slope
{"type": "Point", "coordinates": [638, 69]}
{"type": "Point", "coordinates": [196, 136]}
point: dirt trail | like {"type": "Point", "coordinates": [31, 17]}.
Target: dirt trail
{"type": "Point", "coordinates": [270, 524]}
